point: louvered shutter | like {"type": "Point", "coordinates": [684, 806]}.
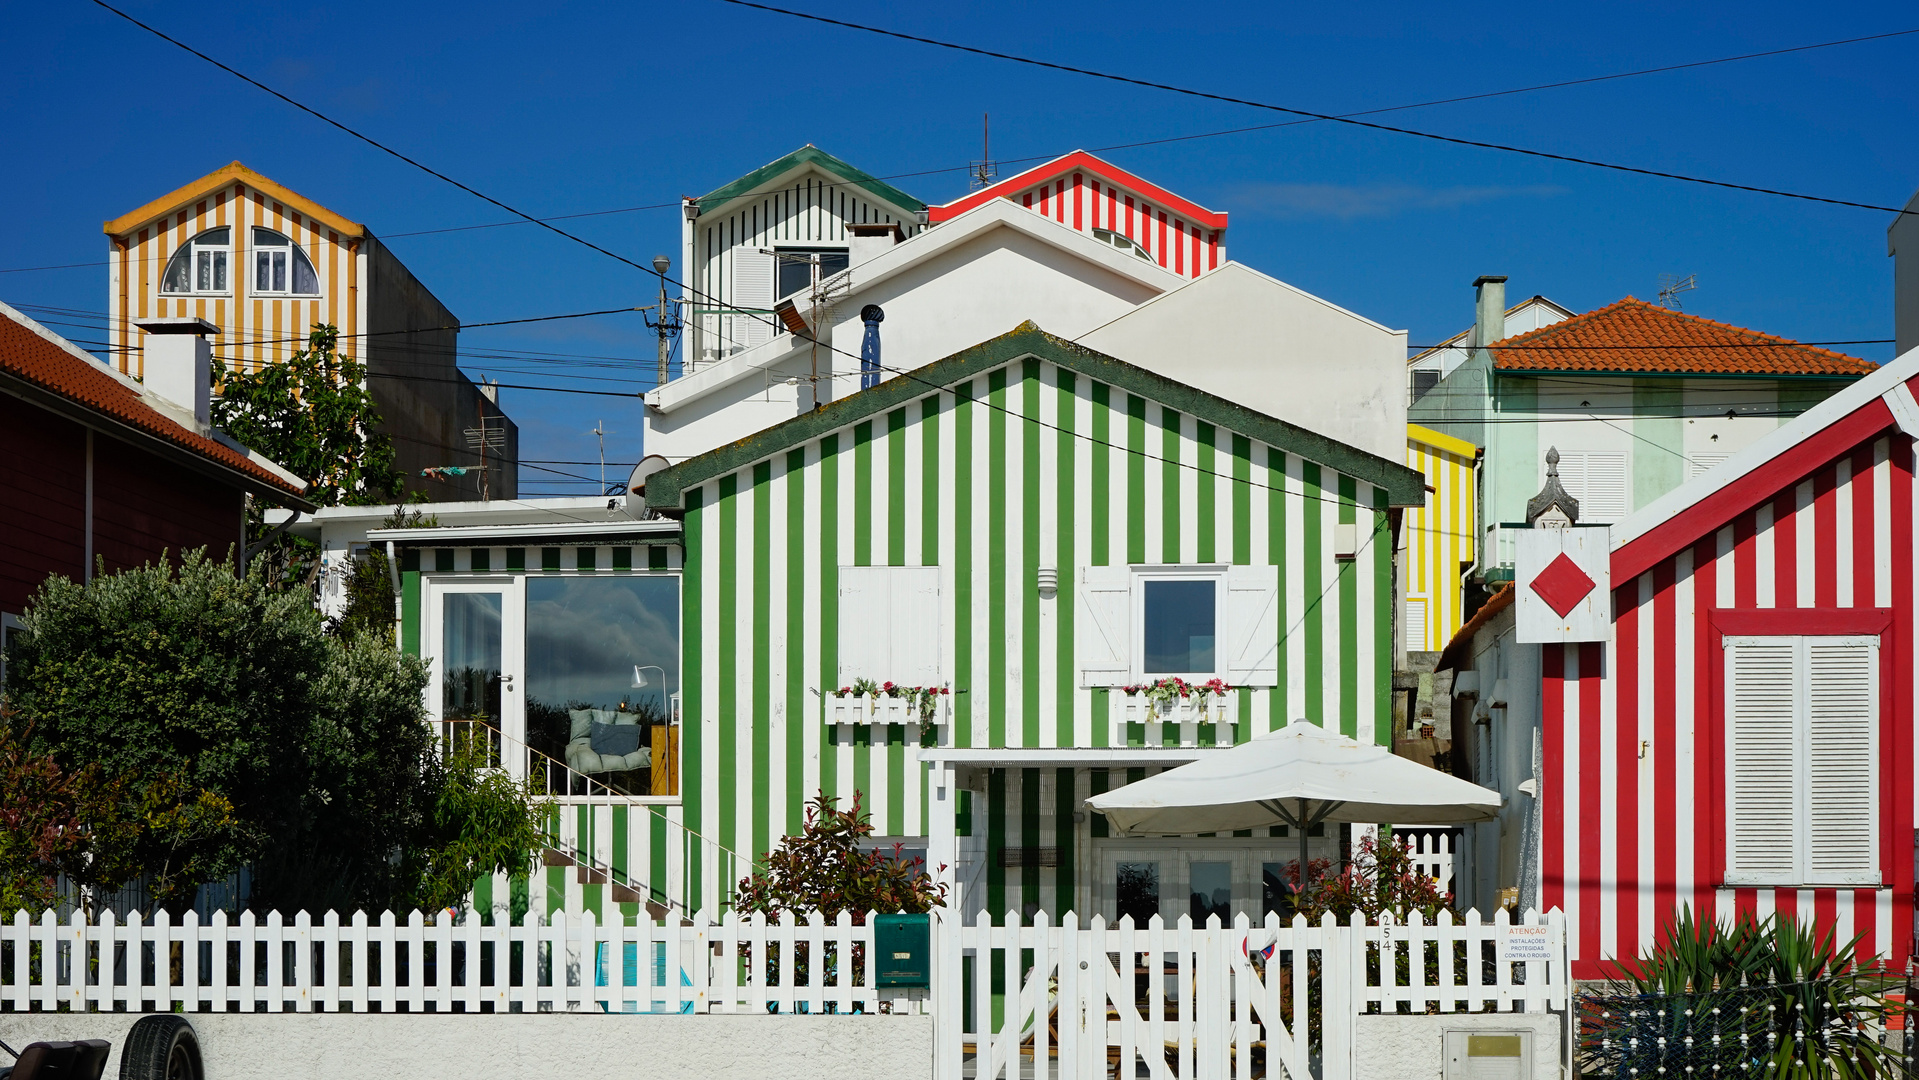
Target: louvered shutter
{"type": "Point", "coordinates": [1761, 766]}
{"type": "Point", "coordinates": [1415, 624]}
{"type": "Point", "coordinates": [753, 291]}
{"type": "Point", "coordinates": [1252, 625]}
{"type": "Point", "coordinates": [913, 613]}
{"type": "Point", "coordinates": [1103, 630]}
{"type": "Point", "coordinates": [1600, 480]}
{"type": "Point", "coordinates": [1700, 463]}
{"type": "Point", "coordinates": [865, 630]}
{"type": "Point", "coordinates": [1842, 712]}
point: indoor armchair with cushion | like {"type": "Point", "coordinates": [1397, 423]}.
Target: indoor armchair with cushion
{"type": "Point", "coordinates": [606, 740]}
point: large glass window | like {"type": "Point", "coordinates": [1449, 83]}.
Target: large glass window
{"type": "Point", "coordinates": [1210, 891]}
{"type": "Point", "coordinates": [603, 681]}
{"type": "Point", "coordinates": [200, 264]}
{"type": "Point", "coordinates": [793, 268]}
{"type": "Point", "coordinates": [1180, 620]}
{"type": "Point", "coordinates": [280, 266]}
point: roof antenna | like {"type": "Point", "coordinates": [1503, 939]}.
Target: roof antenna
{"type": "Point", "coordinates": [1671, 285]}
{"type": "Point", "coordinates": [984, 171]}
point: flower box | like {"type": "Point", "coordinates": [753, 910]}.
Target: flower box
{"type": "Point", "coordinates": [856, 709]}
{"type": "Point", "coordinates": [1173, 722]}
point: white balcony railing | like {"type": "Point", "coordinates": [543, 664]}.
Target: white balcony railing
{"type": "Point", "coordinates": [1176, 721]}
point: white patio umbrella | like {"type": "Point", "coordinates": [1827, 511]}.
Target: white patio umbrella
{"type": "Point", "coordinates": [1298, 776]}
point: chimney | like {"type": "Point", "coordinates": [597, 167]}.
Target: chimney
{"type": "Point", "coordinates": [1489, 313]}
{"type": "Point", "coordinates": [865, 241]}
{"type": "Point", "coordinates": [179, 363]}
{"type": "Point", "coordinates": [872, 316]}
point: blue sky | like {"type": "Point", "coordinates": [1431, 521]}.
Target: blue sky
{"type": "Point", "coordinates": [567, 108]}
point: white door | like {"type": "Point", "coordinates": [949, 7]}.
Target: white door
{"type": "Point", "coordinates": [475, 643]}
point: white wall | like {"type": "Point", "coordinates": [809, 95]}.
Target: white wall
{"type": "Point", "coordinates": [1253, 340]}
{"type": "Point", "coordinates": [560, 1046]}
{"type": "Point", "coordinates": [1413, 1047]}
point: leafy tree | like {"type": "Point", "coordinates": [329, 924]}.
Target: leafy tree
{"type": "Point", "coordinates": [339, 795]}
{"type": "Point", "coordinates": [369, 584]}
{"type": "Point", "coordinates": [827, 869]}
{"type": "Point", "coordinates": [314, 415]}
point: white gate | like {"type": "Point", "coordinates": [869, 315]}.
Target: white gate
{"type": "Point", "coordinates": [1182, 1002]}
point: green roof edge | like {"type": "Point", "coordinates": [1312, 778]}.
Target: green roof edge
{"type": "Point", "coordinates": [809, 155]}
{"type": "Point", "coordinates": [1403, 486]}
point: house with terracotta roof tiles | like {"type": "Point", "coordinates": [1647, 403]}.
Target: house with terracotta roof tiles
{"type": "Point", "coordinates": [102, 471]}
{"type": "Point", "coordinates": [1638, 399]}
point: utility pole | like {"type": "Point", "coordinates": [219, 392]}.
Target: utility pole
{"type": "Point", "coordinates": [666, 322]}
{"type": "Point", "coordinates": [984, 171]}
{"type": "Point", "coordinates": [599, 428]}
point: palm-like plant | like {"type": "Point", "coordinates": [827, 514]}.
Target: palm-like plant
{"type": "Point", "coordinates": [1751, 998]}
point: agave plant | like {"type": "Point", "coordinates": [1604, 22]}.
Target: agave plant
{"type": "Point", "coordinates": [1766, 998]}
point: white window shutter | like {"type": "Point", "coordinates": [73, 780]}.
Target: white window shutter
{"type": "Point", "coordinates": [1600, 480]}
{"type": "Point", "coordinates": [1761, 763]}
{"type": "Point", "coordinates": [866, 633]}
{"type": "Point", "coordinates": [1843, 785]}
{"type": "Point", "coordinates": [752, 290]}
{"type": "Point", "coordinates": [1252, 625]}
{"type": "Point", "coordinates": [1104, 627]}
{"type": "Point", "coordinates": [914, 618]}
{"type": "Point", "coordinates": [1416, 624]}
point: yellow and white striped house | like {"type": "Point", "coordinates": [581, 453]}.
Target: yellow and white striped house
{"type": "Point", "coordinates": [265, 265]}
{"type": "Point", "coordinates": [1439, 537]}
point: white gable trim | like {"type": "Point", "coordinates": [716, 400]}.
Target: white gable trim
{"type": "Point", "coordinates": [1890, 377]}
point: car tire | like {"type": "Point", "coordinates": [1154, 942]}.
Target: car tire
{"type": "Point", "coordinates": [161, 1047]}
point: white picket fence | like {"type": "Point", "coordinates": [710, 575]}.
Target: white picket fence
{"type": "Point", "coordinates": [1179, 1002]}
{"type": "Point", "coordinates": [1432, 854]}
{"type": "Point", "coordinates": [450, 964]}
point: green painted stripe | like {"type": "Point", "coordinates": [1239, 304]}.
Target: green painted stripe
{"type": "Point", "coordinates": [410, 612]}
{"type": "Point", "coordinates": [995, 843]}
{"type": "Point", "coordinates": [762, 656]}
{"type": "Point", "coordinates": [1382, 605]}
{"type": "Point", "coordinates": [656, 556]}
{"type": "Point", "coordinates": [692, 662]}
{"type": "Point", "coordinates": [798, 715]}
{"type": "Point", "coordinates": [1348, 622]}
{"type": "Point", "coordinates": [622, 558]}
{"type": "Point", "coordinates": [1135, 479]}
{"type": "Point", "coordinates": [1029, 553]}
{"type": "Point", "coordinates": [863, 494]}
{"type": "Point", "coordinates": [1171, 506]}
{"type": "Point", "coordinates": [586, 558]}
{"type": "Point", "coordinates": [929, 496]}
{"type": "Point", "coordinates": [896, 488]}
{"type": "Point", "coordinates": [996, 628]}
{"type": "Point", "coordinates": [1099, 536]}
{"type": "Point", "coordinates": [550, 558]}
{"type": "Point", "coordinates": [727, 663]}
{"type": "Point", "coordinates": [481, 560]}
{"type": "Point", "coordinates": [1206, 492]}
{"type": "Point", "coordinates": [516, 558]}
{"type": "Point", "coordinates": [1066, 514]}
{"type": "Point", "coordinates": [1276, 556]}
{"type": "Point", "coordinates": [1315, 591]}
{"type": "Point", "coordinates": [1064, 806]}
{"type": "Point", "coordinates": [829, 618]}
{"type": "Point", "coordinates": [620, 844]}
{"type": "Point", "coordinates": [1029, 838]}
{"type": "Point", "coordinates": [656, 843]}
{"type": "Point", "coordinates": [963, 495]}
{"type": "Point", "coordinates": [1096, 784]}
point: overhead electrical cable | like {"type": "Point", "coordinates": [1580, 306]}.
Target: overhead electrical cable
{"type": "Point", "coordinates": [1453, 139]}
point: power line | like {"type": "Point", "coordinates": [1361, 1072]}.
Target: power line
{"type": "Point", "coordinates": [1090, 73]}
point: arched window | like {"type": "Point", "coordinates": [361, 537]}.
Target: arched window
{"type": "Point", "coordinates": [279, 266]}
{"type": "Point", "coordinates": [200, 264]}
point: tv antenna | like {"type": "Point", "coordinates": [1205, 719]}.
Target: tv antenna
{"type": "Point", "coordinates": [599, 429]}
{"type": "Point", "coordinates": [1671, 285]}
{"type": "Point", "coordinates": [984, 171]}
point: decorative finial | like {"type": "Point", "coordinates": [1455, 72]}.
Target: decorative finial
{"type": "Point", "coordinates": [1552, 461]}
{"type": "Point", "coordinates": [1554, 504]}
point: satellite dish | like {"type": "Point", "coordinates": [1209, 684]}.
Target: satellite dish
{"type": "Point", "coordinates": [636, 484]}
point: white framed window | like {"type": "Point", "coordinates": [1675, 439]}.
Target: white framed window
{"type": "Point", "coordinates": [793, 267]}
{"type": "Point", "coordinates": [889, 624]}
{"type": "Point", "coordinates": [1802, 760]}
{"type": "Point", "coordinates": [1201, 876]}
{"type": "Point", "coordinates": [200, 264]}
{"type": "Point", "coordinates": [280, 266]}
{"type": "Point", "coordinates": [1135, 623]}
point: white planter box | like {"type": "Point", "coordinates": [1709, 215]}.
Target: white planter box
{"type": "Point", "coordinates": [1177, 722]}
{"type": "Point", "coordinates": [879, 709]}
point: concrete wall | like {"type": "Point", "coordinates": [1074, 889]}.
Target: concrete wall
{"type": "Point", "coordinates": [1412, 1047]}
{"type": "Point", "coordinates": [425, 401]}
{"type": "Point", "coordinates": [1902, 243]}
{"type": "Point", "coordinates": [1264, 344]}
{"type": "Point", "coordinates": [561, 1046]}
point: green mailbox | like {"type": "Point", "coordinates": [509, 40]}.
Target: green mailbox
{"type": "Point", "coordinates": [903, 947]}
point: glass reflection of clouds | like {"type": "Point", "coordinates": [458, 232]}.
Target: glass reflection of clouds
{"type": "Point", "coordinates": [584, 635]}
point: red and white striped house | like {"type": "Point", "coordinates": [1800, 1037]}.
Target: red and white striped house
{"type": "Point", "coordinates": [1112, 205]}
{"type": "Point", "coordinates": [1743, 742]}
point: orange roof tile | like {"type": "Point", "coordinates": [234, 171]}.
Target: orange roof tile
{"type": "Point", "coordinates": [1634, 336]}
{"type": "Point", "coordinates": [28, 354]}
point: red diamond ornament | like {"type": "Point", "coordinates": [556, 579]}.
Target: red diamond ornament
{"type": "Point", "coordinates": [1562, 585]}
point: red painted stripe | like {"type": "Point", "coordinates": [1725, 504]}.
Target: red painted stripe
{"type": "Point", "coordinates": [1825, 908]}
{"type": "Point", "coordinates": [1561, 785]}
{"type": "Point", "coordinates": [1129, 215]}
{"type": "Point", "coordinates": [1758, 484]}
{"type": "Point", "coordinates": [1665, 742]}
{"type": "Point", "coordinates": [1028, 199]}
{"type": "Point", "coordinates": [1179, 246]}
{"type": "Point", "coordinates": [1896, 751]}
{"type": "Point", "coordinates": [1162, 238]}
{"type": "Point", "coordinates": [1591, 800]}
{"type": "Point", "coordinates": [1825, 534]}
{"type": "Point", "coordinates": [1785, 549]}
{"type": "Point", "coordinates": [1708, 839]}
{"type": "Point", "coordinates": [1865, 919]}
{"type": "Point", "coordinates": [1077, 223]}
{"type": "Point", "coordinates": [1865, 582]}
{"type": "Point", "coordinates": [1745, 563]}
{"type": "Point", "coordinates": [1626, 761]}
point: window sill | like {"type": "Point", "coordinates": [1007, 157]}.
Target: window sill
{"type": "Point", "coordinates": [197, 295]}
{"type": "Point", "coordinates": [1723, 884]}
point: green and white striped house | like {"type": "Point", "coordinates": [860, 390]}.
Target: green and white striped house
{"type": "Point", "coordinates": [1033, 525]}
